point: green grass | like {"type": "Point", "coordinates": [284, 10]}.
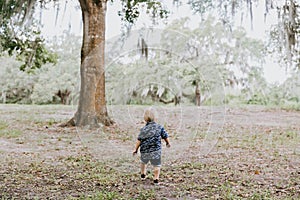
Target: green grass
{"type": "Point", "coordinates": [227, 173]}
{"type": "Point", "coordinates": [146, 195]}
{"type": "Point", "coordinates": [6, 132]}
{"type": "Point", "coordinates": [3, 125]}
{"type": "Point", "coordinates": [101, 195]}
{"type": "Point", "coordinates": [291, 106]}
{"type": "Point", "coordinates": [112, 195]}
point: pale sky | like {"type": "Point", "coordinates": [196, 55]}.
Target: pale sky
{"type": "Point", "coordinates": [71, 19]}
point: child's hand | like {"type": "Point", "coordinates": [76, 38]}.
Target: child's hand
{"type": "Point", "coordinates": [134, 152]}
{"type": "Point", "coordinates": [168, 145]}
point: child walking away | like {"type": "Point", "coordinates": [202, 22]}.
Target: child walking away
{"type": "Point", "coordinates": [149, 142]}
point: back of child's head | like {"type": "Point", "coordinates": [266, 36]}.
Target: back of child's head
{"type": "Point", "coordinates": [149, 115]}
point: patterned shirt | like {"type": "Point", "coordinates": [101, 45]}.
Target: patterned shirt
{"type": "Point", "coordinates": [150, 137]}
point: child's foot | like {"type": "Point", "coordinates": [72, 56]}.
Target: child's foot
{"type": "Point", "coordinates": [155, 181]}
{"type": "Point", "coordinates": [143, 176]}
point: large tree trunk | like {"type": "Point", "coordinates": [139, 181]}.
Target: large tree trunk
{"type": "Point", "coordinates": [92, 104]}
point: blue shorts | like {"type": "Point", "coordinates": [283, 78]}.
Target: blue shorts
{"type": "Point", "coordinates": [156, 162]}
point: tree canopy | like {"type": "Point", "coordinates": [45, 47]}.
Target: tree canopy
{"type": "Point", "coordinates": [131, 79]}
{"type": "Point", "coordinates": [21, 36]}
{"type": "Point", "coordinates": [285, 36]}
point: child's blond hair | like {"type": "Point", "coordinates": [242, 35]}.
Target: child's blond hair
{"type": "Point", "coordinates": [149, 115]}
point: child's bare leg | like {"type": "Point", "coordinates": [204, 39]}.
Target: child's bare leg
{"type": "Point", "coordinates": [143, 168]}
{"type": "Point", "coordinates": [156, 173]}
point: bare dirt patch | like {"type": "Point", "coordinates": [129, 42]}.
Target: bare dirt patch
{"type": "Point", "coordinates": [217, 152]}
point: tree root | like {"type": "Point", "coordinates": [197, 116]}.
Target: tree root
{"type": "Point", "coordinates": [106, 121]}
{"type": "Point", "coordinates": [70, 123]}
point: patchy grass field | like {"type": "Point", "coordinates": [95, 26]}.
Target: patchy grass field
{"type": "Point", "coordinates": [217, 153]}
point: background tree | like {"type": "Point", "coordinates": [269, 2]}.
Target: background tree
{"type": "Point", "coordinates": [92, 103]}
{"type": "Point", "coordinates": [59, 83]}
{"type": "Point", "coordinates": [16, 86]}
{"type": "Point", "coordinates": [287, 94]}
{"type": "Point", "coordinates": [285, 35]}
{"type": "Point", "coordinates": [215, 52]}
{"type": "Point", "coordinates": [187, 61]}
{"type": "Point", "coordinates": [157, 81]}
{"type": "Point", "coordinates": [255, 89]}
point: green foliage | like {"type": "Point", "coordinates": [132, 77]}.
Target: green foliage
{"type": "Point", "coordinates": [103, 195]}
{"type": "Point", "coordinates": [291, 105]}
{"type": "Point", "coordinates": [224, 9]}
{"type": "Point", "coordinates": [22, 38]}
{"type": "Point", "coordinates": [28, 47]}
{"type": "Point", "coordinates": [131, 10]}
{"type": "Point", "coordinates": [146, 194]}
{"type": "Point", "coordinates": [18, 34]}
{"type": "Point", "coordinates": [284, 35]}
{"type": "Point", "coordinates": [9, 8]}
{"type": "Point", "coordinates": [60, 83]}
{"type": "Point", "coordinates": [27, 44]}
{"type": "Point", "coordinates": [16, 86]}
{"type": "Point", "coordinates": [157, 79]}
{"type": "Point", "coordinates": [287, 94]}
{"type": "Point", "coordinates": [50, 84]}
{"type": "Point", "coordinates": [255, 88]}
{"type": "Point", "coordinates": [207, 55]}
{"type": "Point", "coordinates": [201, 7]}
{"type": "Point", "coordinates": [7, 132]}
{"type": "Point", "coordinates": [3, 125]}
{"type": "Point", "coordinates": [216, 52]}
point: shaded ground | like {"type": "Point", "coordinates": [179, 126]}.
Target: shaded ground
{"type": "Point", "coordinates": [217, 153]}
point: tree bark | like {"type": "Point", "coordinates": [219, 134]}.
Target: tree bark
{"type": "Point", "coordinates": [92, 104]}
{"type": "Point", "coordinates": [197, 94]}
{"type": "Point", "coordinates": [64, 96]}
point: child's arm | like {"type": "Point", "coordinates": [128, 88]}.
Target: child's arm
{"type": "Point", "coordinates": [167, 142]}
{"type": "Point", "coordinates": [165, 136]}
{"type": "Point", "coordinates": [137, 145]}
